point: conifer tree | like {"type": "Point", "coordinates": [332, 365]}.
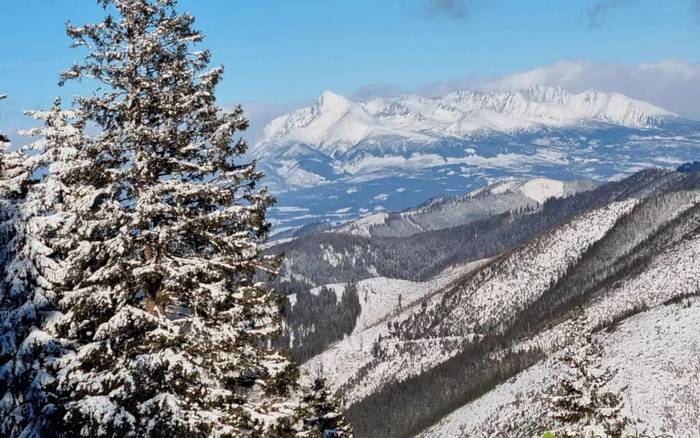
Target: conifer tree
{"type": "Point", "coordinates": [161, 264]}
{"type": "Point", "coordinates": [580, 399]}
{"type": "Point", "coordinates": [30, 351]}
{"type": "Point", "coordinates": [322, 414]}
{"type": "Point", "coordinates": [15, 410]}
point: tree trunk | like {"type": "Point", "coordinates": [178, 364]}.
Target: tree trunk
{"type": "Point", "coordinates": [151, 289]}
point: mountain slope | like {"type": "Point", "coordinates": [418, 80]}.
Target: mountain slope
{"type": "Point", "coordinates": [521, 336]}
{"type": "Point", "coordinates": [657, 372]}
{"type": "Point", "coordinates": [353, 252]}
{"type": "Point", "coordinates": [612, 252]}
{"type": "Point", "coordinates": [448, 212]}
{"type": "Point", "coordinates": [466, 313]}
{"type": "Point", "coordinates": [499, 292]}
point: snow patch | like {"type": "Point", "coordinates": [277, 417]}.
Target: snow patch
{"type": "Point", "coordinates": [541, 189]}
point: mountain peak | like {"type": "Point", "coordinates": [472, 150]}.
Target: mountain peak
{"type": "Point", "coordinates": [329, 98]}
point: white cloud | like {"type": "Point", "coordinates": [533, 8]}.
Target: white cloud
{"type": "Point", "coordinates": [670, 84]}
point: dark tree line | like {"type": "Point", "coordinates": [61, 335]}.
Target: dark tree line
{"type": "Point", "coordinates": [315, 321]}
{"type": "Point", "coordinates": [689, 167]}
{"type": "Point", "coordinates": [407, 408]}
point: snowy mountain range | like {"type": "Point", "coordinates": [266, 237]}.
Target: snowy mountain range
{"type": "Point", "coordinates": [340, 159]}
{"type": "Point", "coordinates": [335, 125]}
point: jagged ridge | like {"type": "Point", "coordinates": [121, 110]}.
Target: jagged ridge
{"type": "Point", "coordinates": [335, 124]}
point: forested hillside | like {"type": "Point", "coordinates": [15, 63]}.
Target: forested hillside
{"type": "Point", "coordinates": [593, 259]}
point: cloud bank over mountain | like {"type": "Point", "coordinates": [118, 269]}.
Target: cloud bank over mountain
{"type": "Point", "coordinates": [671, 84]}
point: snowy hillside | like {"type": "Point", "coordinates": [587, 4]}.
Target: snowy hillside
{"type": "Point", "coordinates": [380, 304]}
{"type": "Point", "coordinates": [655, 355]}
{"type": "Point", "coordinates": [489, 297]}
{"type": "Point", "coordinates": [453, 339]}
{"type": "Point", "coordinates": [498, 292]}
{"type": "Point", "coordinates": [381, 298]}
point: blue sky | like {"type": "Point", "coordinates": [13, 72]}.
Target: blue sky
{"type": "Point", "coordinates": [281, 52]}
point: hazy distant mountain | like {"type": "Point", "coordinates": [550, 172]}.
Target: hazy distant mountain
{"type": "Point", "coordinates": [339, 159]}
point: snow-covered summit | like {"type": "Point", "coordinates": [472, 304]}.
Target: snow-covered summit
{"type": "Point", "coordinates": [537, 189]}
{"type": "Point", "coordinates": [335, 124]}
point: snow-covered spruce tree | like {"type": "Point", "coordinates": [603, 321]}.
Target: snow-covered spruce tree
{"type": "Point", "coordinates": [161, 295]}
{"type": "Point", "coordinates": [320, 412]}
{"type": "Point", "coordinates": [15, 412]}
{"type": "Point", "coordinates": [30, 352]}
{"type": "Point", "coordinates": [580, 401]}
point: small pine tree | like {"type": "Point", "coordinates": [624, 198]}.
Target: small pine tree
{"type": "Point", "coordinates": [320, 413]}
{"type": "Point", "coordinates": [580, 400]}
